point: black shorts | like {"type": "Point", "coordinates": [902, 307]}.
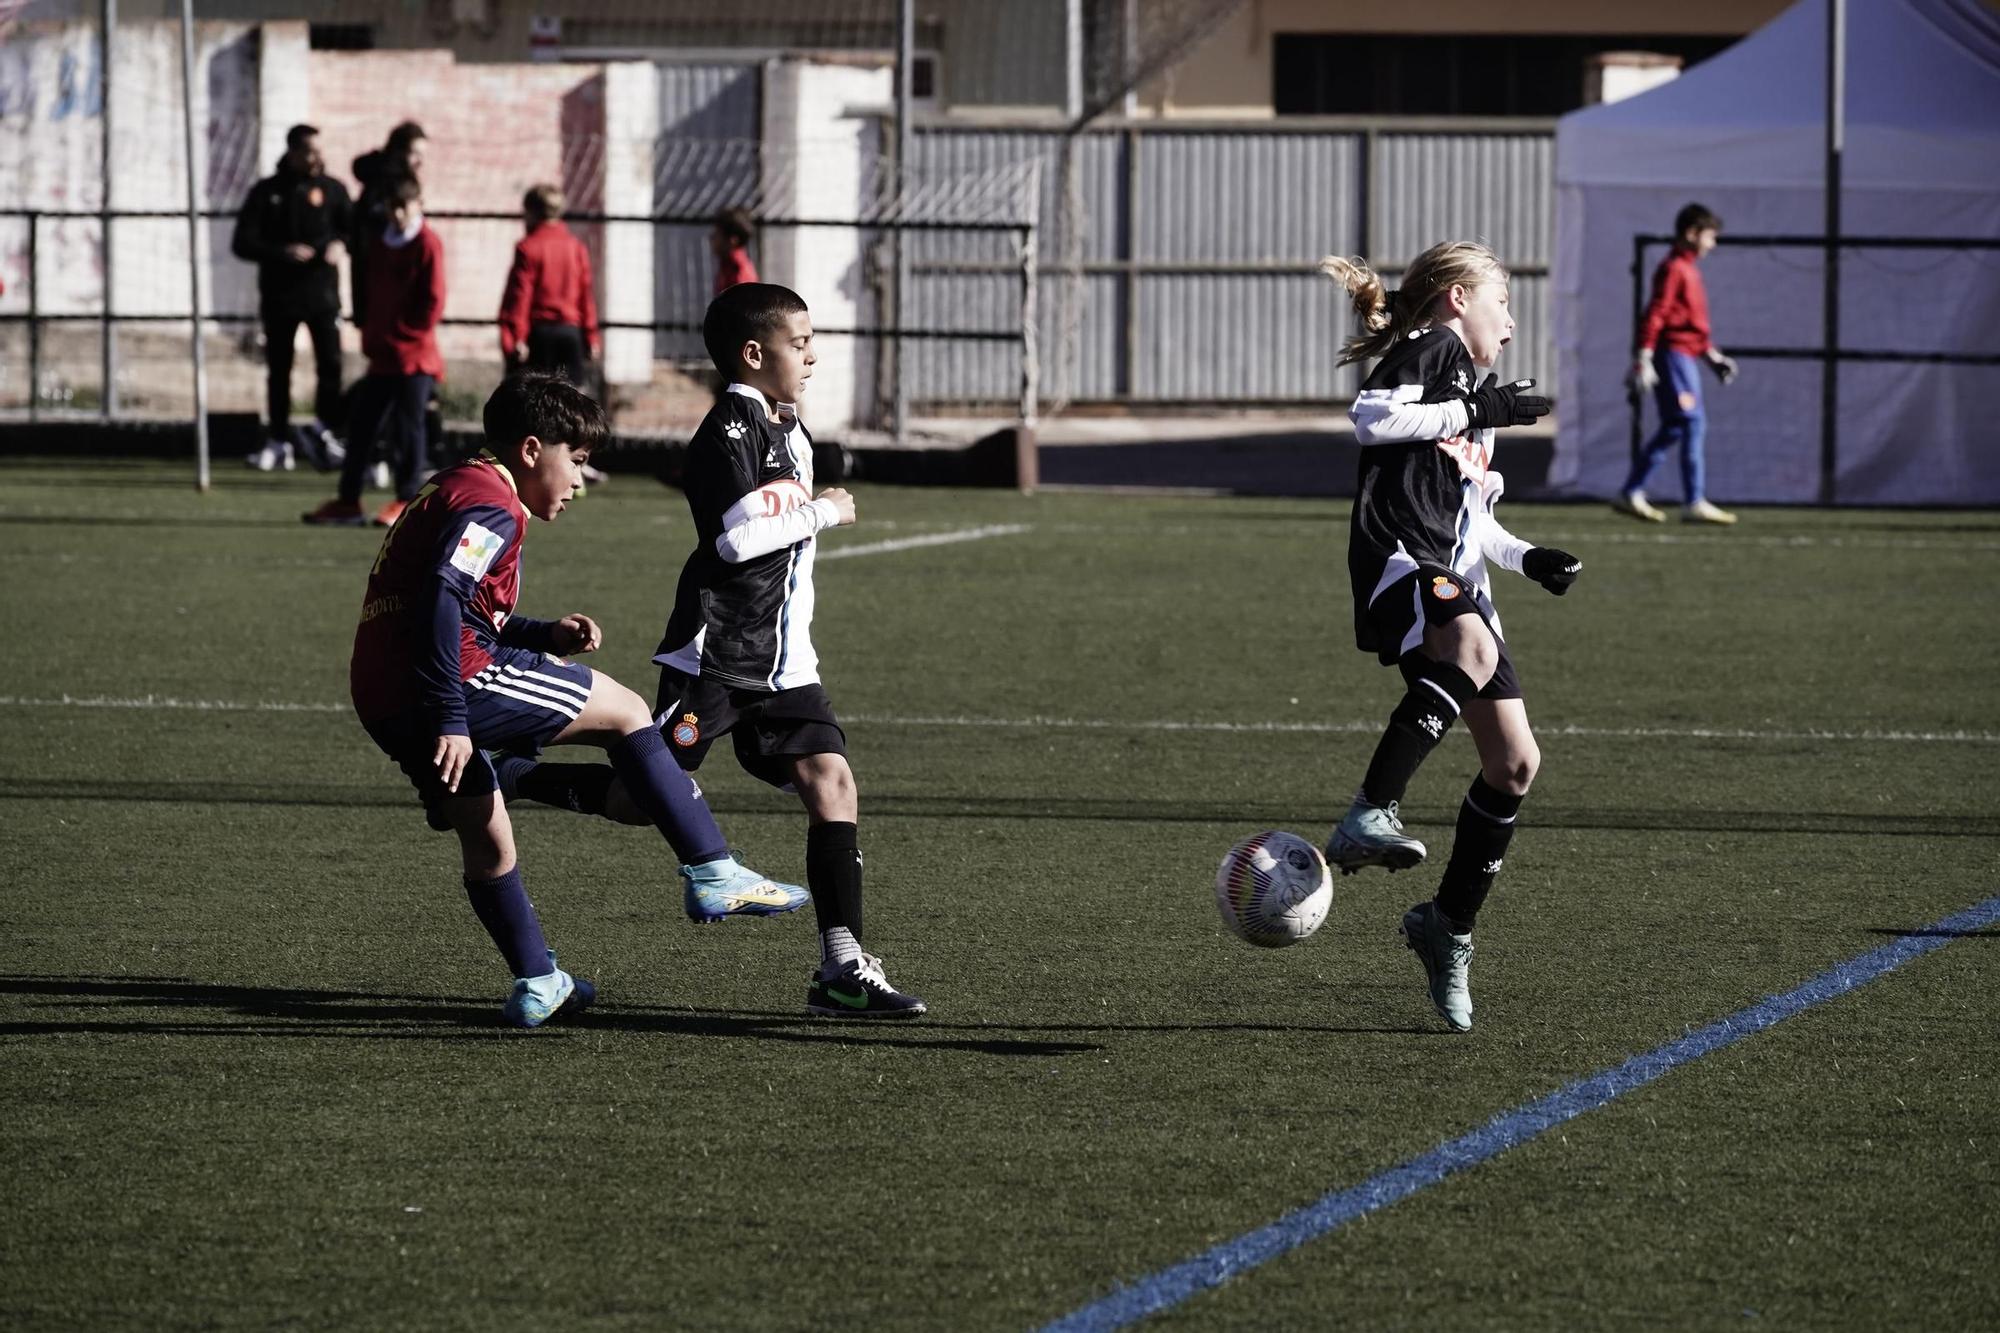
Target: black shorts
{"type": "Point", "coordinates": [769, 729]}
{"type": "Point", "coordinates": [1435, 595]}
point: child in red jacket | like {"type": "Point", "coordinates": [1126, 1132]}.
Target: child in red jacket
{"type": "Point", "coordinates": [1676, 322]}
{"type": "Point", "coordinates": [548, 314]}
{"type": "Point", "coordinates": [405, 276]}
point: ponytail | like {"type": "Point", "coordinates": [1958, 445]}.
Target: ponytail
{"type": "Point", "coordinates": [1385, 316]}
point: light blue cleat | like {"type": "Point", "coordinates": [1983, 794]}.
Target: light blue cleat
{"type": "Point", "coordinates": [726, 888]}
{"type": "Point", "coordinates": [1447, 958]}
{"type": "Point", "coordinates": [1372, 835]}
{"type": "Point", "coordinates": [535, 1000]}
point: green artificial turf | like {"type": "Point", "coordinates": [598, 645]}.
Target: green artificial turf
{"type": "Point", "coordinates": [252, 1077]}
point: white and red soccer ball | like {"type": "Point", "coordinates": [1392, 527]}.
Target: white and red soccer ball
{"type": "Point", "coordinates": [1273, 889]}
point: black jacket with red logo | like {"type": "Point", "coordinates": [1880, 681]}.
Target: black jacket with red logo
{"type": "Point", "coordinates": [293, 209]}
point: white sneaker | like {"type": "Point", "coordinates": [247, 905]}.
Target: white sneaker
{"type": "Point", "coordinates": [384, 479]}
{"type": "Point", "coordinates": [326, 450]}
{"type": "Point", "coordinates": [1636, 504]}
{"type": "Point", "coordinates": [275, 456]}
{"type": "Point", "coordinates": [1447, 959]}
{"type": "Point", "coordinates": [1701, 511]}
{"type": "Point", "coordinates": [591, 475]}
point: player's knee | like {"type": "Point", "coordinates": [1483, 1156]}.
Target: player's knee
{"type": "Point", "coordinates": [618, 708]}
{"type": "Point", "coordinates": [826, 783]}
{"type": "Point", "coordinates": [1474, 650]}
{"type": "Point", "coordinates": [1514, 772]}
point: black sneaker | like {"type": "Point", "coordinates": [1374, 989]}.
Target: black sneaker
{"type": "Point", "coordinates": [859, 990]}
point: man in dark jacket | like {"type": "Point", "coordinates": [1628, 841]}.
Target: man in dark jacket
{"type": "Point", "coordinates": [291, 228]}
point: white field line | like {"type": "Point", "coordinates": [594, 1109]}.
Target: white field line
{"type": "Point", "coordinates": [928, 539]}
{"type": "Point", "coordinates": [167, 703]}
{"type": "Point", "coordinates": [1555, 532]}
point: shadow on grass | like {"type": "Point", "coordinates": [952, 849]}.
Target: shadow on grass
{"type": "Point", "coordinates": [264, 1011]}
{"type": "Point", "coordinates": [267, 1011]}
{"type": "Point", "coordinates": [143, 521]}
{"type": "Point", "coordinates": [1080, 809]}
{"type": "Point", "coordinates": [1932, 933]}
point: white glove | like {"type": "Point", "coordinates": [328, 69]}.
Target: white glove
{"type": "Point", "coordinates": [1643, 377]}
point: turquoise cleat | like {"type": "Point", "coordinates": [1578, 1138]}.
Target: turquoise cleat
{"type": "Point", "coordinates": [535, 1000]}
{"type": "Point", "coordinates": [725, 888]}
{"type": "Point", "coordinates": [1372, 835]}
{"type": "Point", "coordinates": [1446, 958]}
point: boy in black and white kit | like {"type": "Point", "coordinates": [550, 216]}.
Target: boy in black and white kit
{"type": "Point", "coordinates": [1421, 531]}
{"type": "Point", "coordinates": [737, 657]}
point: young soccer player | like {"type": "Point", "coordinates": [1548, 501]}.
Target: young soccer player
{"type": "Point", "coordinates": [1421, 529]}
{"type": "Point", "coordinates": [737, 658]}
{"type": "Point", "coordinates": [1677, 319]}
{"type": "Point", "coordinates": [444, 671]}
{"type": "Point", "coordinates": [548, 312]}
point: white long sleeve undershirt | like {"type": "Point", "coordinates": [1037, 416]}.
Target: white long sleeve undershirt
{"type": "Point", "coordinates": [745, 537]}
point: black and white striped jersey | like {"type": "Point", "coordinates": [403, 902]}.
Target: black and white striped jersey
{"type": "Point", "coordinates": [1418, 495]}
{"type": "Point", "coordinates": [744, 606]}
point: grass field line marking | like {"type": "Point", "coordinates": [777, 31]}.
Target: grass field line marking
{"type": "Point", "coordinates": [169, 703]}
{"type": "Point", "coordinates": [1589, 536]}
{"type": "Point", "coordinates": [1374, 727]}
{"type": "Point", "coordinates": [979, 533]}
{"type": "Point", "coordinates": [1510, 1129]}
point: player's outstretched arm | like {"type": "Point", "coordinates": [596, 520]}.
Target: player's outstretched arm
{"type": "Point", "coordinates": [778, 515]}
{"type": "Point", "coordinates": [1398, 416]}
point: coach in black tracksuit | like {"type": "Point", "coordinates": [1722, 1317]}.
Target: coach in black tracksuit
{"type": "Point", "coordinates": [286, 227]}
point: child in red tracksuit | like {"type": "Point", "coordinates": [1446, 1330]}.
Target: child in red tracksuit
{"type": "Point", "coordinates": [548, 314]}
{"type": "Point", "coordinates": [405, 275]}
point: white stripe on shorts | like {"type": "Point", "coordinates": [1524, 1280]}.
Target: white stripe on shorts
{"type": "Point", "coordinates": [568, 690]}
{"type": "Point", "coordinates": [543, 702]}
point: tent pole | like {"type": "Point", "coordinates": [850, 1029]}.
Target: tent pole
{"type": "Point", "coordinates": [1829, 397]}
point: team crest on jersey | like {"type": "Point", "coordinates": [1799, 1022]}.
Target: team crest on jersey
{"type": "Point", "coordinates": [1443, 588]}
{"type": "Point", "coordinates": [687, 731]}
{"type": "Point", "coordinates": [476, 549]}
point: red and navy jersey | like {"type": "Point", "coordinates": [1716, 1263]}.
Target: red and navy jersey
{"type": "Point", "coordinates": [441, 597]}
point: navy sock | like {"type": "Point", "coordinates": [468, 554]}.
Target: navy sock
{"type": "Point", "coordinates": [580, 788]}
{"type": "Point", "coordinates": [667, 796]}
{"type": "Point", "coordinates": [1438, 692]}
{"type": "Point", "coordinates": [503, 908]}
{"type": "Point", "coordinates": [1485, 827]}
{"type": "Point", "coordinates": [833, 875]}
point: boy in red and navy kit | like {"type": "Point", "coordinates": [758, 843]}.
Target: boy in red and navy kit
{"type": "Point", "coordinates": [405, 275]}
{"type": "Point", "coordinates": [1676, 321]}
{"type": "Point", "coordinates": [444, 673]}
{"type": "Point", "coordinates": [548, 313]}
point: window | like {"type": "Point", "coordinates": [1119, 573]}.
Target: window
{"type": "Point", "coordinates": [1394, 74]}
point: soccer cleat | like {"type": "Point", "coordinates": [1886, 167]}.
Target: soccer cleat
{"type": "Point", "coordinates": [1636, 504]}
{"type": "Point", "coordinates": [535, 1000]}
{"type": "Point", "coordinates": [275, 456]}
{"type": "Point", "coordinates": [386, 516]}
{"type": "Point", "coordinates": [1445, 957]}
{"type": "Point", "coordinates": [1372, 835]}
{"type": "Point", "coordinates": [337, 514]}
{"type": "Point", "coordinates": [726, 888]}
{"type": "Point", "coordinates": [857, 989]}
{"type": "Point", "coordinates": [1701, 511]}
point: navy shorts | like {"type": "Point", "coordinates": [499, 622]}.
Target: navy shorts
{"type": "Point", "coordinates": [519, 703]}
{"type": "Point", "coordinates": [1435, 595]}
{"type": "Point", "coordinates": [769, 728]}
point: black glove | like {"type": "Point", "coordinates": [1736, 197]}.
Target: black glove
{"type": "Point", "coordinates": [1496, 404]}
{"type": "Point", "coordinates": [1553, 569]}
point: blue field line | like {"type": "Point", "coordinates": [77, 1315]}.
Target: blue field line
{"type": "Point", "coordinates": [1170, 1286]}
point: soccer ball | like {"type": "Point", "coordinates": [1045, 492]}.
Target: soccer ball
{"type": "Point", "coordinates": [1273, 889]}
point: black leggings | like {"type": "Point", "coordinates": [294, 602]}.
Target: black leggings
{"type": "Point", "coordinates": [393, 406]}
{"type": "Point", "coordinates": [280, 329]}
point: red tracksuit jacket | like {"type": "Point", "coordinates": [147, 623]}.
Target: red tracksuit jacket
{"type": "Point", "coordinates": [1677, 316]}
{"type": "Point", "coordinates": [405, 303]}
{"type": "Point", "coordinates": [550, 283]}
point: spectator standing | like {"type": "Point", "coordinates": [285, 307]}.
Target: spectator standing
{"type": "Point", "coordinates": [291, 227]}
{"type": "Point", "coordinates": [548, 313]}
{"type": "Point", "coordinates": [729, 242]}
{"type": "Point", "coordinates": [405, 301]}
{"type": "Point", "coordinates": [403, 155]}
{"type": "Point", "coordinates": [1676, 322]}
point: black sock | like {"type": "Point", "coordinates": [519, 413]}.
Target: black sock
{"type": "Point", "coordinates": [503, 908]}
{"type": "Point", "coordinates": [581, 788]}
{"type": "Point", "coordinates": [1438, 692]}
{"type": "Point", "coordinates": [833, 875]}
{"type": "Point", "coordinates": [1485, 827]}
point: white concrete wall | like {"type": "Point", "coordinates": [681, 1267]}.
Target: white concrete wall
{"type": "Point", "coordinates": [631, 125]}
{"type": "Point", "coordinates": [820, 122]}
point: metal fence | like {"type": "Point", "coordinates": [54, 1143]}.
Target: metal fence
{"type": "Point", "coordinates": [1193, 248]}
